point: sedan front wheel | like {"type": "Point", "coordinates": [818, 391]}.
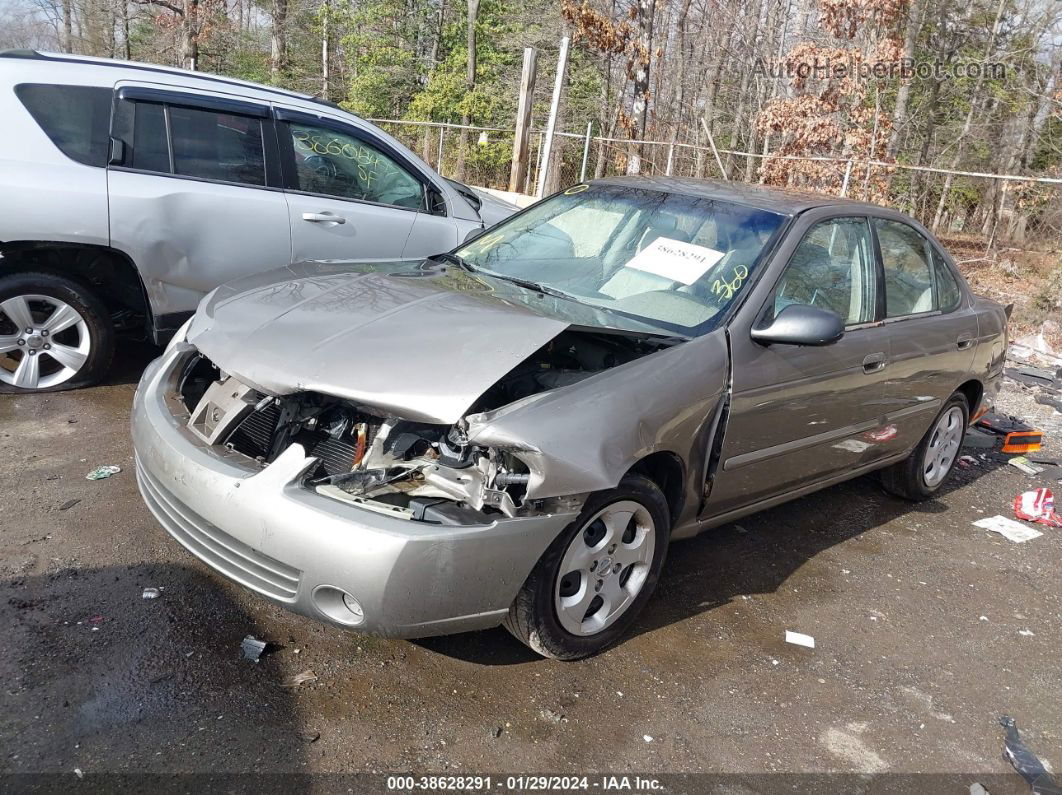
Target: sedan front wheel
{"type": "Point", "coordinates": [595, 578]}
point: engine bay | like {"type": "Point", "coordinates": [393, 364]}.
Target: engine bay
{"type": "Point", "coordinates": [412, 470]}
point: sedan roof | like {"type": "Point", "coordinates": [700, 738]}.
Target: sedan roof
{"type": "Point", "coordinates": [779, 200]}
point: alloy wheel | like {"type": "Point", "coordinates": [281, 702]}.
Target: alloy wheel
{"type": "Point", "coordinates": [943, 446]}
{"type": "Point", "coordinates": [604, 567]}
{"type": "Point", "coordinates": [44, 342]}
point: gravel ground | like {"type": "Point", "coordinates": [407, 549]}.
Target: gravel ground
{"type": "Point", "coordinates": [927, 630]}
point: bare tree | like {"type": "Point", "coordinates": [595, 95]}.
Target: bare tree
{"type": "Point", "coordinates": [278, 60]}
{"type": "Point", "coordinates": [470, 84]}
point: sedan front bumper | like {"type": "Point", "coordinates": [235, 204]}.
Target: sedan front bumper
{"type": "Point", "coordinates": [262, 529]}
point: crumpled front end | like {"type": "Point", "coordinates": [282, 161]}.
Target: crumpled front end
{"type": "Point", "coordinates": [362, 456]}
{"type": "Point", "coordinates": [259, 488]}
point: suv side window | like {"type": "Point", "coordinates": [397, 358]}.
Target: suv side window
{"type": "Point", "coordinates": [905, 255]}
{"type": "Point", "coordinates": [77, 119]}
{"type": "Point", "coordinates": [213, 145]}
{"type": "Point", "coordinates": [193, 142]}
{"type": "Point", "coordinates": [832, 268]}
{"type": "Point", "coordinates": [150, 148]}
{"type": "Point", "coordinates": [337, 164]}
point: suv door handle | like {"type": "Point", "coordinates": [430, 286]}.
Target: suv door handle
{"type": "Point", "coordinates": [964, 341]}
{"type": "Point", "coordinates": [324, 218]}
{"type": "Point", "coordinates": [874, 362]}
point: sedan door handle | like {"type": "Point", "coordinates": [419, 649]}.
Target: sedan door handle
{"type": "Point", "coordinates": [964, 341]}
{"type": "Point", "coordinates": [874, 362]}
{"type": "Point", "coordinates": [324, 218]}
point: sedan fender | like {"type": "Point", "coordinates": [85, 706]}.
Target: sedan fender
{"type": "Point", "coordinates": [585, 437]}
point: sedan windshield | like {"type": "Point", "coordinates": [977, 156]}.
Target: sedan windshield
{"type": "Point", "coordinates": [673, 261]}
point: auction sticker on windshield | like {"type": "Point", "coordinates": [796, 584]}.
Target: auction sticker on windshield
{"type": "Point", "coordinates": [675, 260]}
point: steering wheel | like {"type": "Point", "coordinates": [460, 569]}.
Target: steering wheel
{"type": "Point", "coordinates": [321, 167]}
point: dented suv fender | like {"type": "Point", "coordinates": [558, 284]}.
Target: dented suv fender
{"type": "Point", "coordinates": [586, 436]}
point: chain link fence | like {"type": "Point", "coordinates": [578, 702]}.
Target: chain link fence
{"type": "Point", "coordinates": [479, 156]}
{"type": "Point", "coordinates": [995, 210]}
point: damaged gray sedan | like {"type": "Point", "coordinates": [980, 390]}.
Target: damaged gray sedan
{"type": "Point", "coordinates": [514, 432]}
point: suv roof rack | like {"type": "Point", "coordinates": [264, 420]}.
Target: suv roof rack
{"type": "Point", "coordinates": [145, 67]}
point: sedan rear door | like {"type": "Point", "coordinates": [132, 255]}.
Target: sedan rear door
{"type": "Point", "coordinates": [932, 330]}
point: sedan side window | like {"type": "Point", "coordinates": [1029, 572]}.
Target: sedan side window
{"type": "Point", "coordinates": [908, 271]}
{"type": "Point", "coordinates": [832, 268]}
{"type": "Point", "coordinates": [336, 164]}
{"type": "Point", "coordinates": [948, 295]}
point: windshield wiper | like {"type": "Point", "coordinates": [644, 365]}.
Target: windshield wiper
{"type": "Point", "coordinates": [527, 284]}
{"type": "Point", "coordinates": [456, 260]}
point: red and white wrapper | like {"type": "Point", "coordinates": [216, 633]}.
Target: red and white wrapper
{"type": "Point", "coordinates": [1037, 506]}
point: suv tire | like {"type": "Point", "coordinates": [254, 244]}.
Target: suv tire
{"type": "Point", "coordinates": [55, 334]}
{"type": "Point", "coordinates": [595, 578]}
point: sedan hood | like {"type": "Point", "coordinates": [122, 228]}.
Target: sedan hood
{"type": "Point", "coordinates": [423, 342]}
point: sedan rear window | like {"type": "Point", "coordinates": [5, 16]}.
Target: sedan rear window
{"type": "Point", "coordinates": [77, 119]}
{"type": "Point", "coordinates": [908, 278]}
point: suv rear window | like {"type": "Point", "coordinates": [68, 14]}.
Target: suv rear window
{"type": "Point", "coordinates": [77, 119]}
{"type": "Point", "coordinates": [205, 144]}
{"type": "Point", "coordinates": [212, 145]}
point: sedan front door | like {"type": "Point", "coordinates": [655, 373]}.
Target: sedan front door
{"type": "Point", "coordinates": [800, 415]}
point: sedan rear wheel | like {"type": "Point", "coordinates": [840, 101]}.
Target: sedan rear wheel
{"type": "Point", "coordinates": [920, 475]}
{"type": "Point", "coordinates": [54, 334]}
{"type": "Point", "coordinates": [944, 442]}
{"type": "Point", "coordinates": [595, 578]}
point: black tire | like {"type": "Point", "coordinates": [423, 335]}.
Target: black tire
{"type": "Point", "coordinates": [906, 479]}
{"type": "Point", "coordinates": [532, 616]}
{"type": "Point", "coordinates": [86, 303]}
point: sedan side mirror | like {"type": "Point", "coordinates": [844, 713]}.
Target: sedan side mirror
{"type": "Point", "coordinates": [799, 324]}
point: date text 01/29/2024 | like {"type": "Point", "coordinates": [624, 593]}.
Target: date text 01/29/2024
{"type": "Point", "coordinates": [522, 783]}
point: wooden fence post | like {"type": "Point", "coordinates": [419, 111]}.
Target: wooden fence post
{"type": "Point", "coordinates": [518, 171]}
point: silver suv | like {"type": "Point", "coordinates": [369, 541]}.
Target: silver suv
{"type": "Point", "coordinates": [129, 191]}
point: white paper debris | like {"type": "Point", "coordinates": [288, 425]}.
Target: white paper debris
{"type": "Point", "coordinates": [1008, 528]}
{"type": "Point", "coordinates": [799, 639]}
{"type": "Point", "coordinates": [1026, 633]}
{"type": "Point", "coordinates": [647, 737]}
{"type": "Point", "coordinates": [1026, 466]}
{"type": "Point", "coordinates": [675, 260]}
